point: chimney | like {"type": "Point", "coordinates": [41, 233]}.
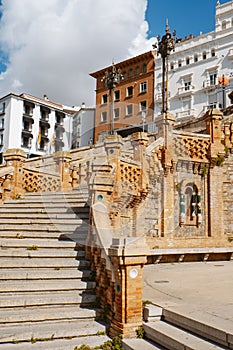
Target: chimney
{"type": "Point", "coordinates": [46, 98]}
{"type": "Point", "coordinates": [83, 105]}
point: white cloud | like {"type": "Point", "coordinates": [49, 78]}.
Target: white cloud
{"type": "Point", "coordinates": [53, 45]}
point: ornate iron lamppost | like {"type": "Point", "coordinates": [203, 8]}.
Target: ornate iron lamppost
{"type": "Point", "coordinates": [165, 46]}
{"type": "Point", "coordinates": [111, 80]}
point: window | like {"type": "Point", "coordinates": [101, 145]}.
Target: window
{"type": "Point", "coordinates": [130, 73]}
{"type": "Point", "coordinates": [187, 85]}
{"type": "Point", "coordinates": [28, 109]}
{"type": "Point", "coordinates": [204, 55]}
{"type": "Point", "coordinates": [129, 110]}
{"type": "Point", "coordinates": [124, 75]}
{"type": "Point", "coordinates": [142, 106]}
{"type": "Point", "coordinates": [117, 95]}
{"type": "Point", "coordinates": [143, 87]}
{"type": "Point", "coordinates": [144, 68]}
{"type": "Point", "coordinates": [213, 78]}
{"type": "Point", "coordinates": [1, 139]}
{"type": "Point", "coordinates": [2, 123]}
{"type": "Point", "coordinates": [104, 99]}
{"type": "Point", "coordinates": [186, 104]}
{"type": "Point", "coordinates": [213, 53]}
{"type": "Point", "coordinates": [26, 142]}
{"type": "Point", "coordinates": [116, 113]}
{"type": "Point", "coordinates": [44, 113]}
{"type": "Point", "coordinates": [212, 101]}
{"type": "Point", "coordinates": [2, 107]}
{"type": "Point", "coordinates": [103, 117]}
{"type": "Point", "coordinates": [195, 58]}
{"type": "Point", "coordinates": [179, 63]}
{"type": "Point", "coordinates": [172, 65]}
{"type": "Point", "coordinates": [137, 70]}
{"type": "Point", "coordinates": [187, 60]}
{"type": "Point", "coordinates": [224, 25]}
{"type": "Point", "coordinates": [129, 91]}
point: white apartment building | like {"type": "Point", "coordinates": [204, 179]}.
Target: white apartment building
{"type": "Point", "coordinates": [36, 125]}
{"type": "Point", "coordinates": [200, 70]}
{"type": "Point", "coordinates": [83, 127]}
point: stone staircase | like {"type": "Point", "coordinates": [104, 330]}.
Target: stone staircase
{"type": "Point", "coordinates": [47, 298]}
{"type": "Point", "coordinates": [176, 330]}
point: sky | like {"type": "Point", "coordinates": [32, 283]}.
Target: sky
{"type": "Point", "coordinates": [50, 47]}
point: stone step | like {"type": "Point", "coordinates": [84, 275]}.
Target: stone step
{"type": "Point", "coordinates": [94, 341]}
{"type": "Point", "coordinates": [139, 344]}
{"type": "Point", "coordinates": [44, 216]}
{"type": "Point", "coordinates": [218, 330]}
{"type": "Point", "coordinates": [51, 228]}
{"type": "Point", "coordinates": [63, 335]}
{"type": "Point", "coordinates": [8, 300]}
{"type": "Point", "coordinates": [41, 253]}
{"type": "Point", "coordinates": [174, 338]}
{"type": "Point", "coordinates": [35, 243]}
{"type": "Point", "coordinates": [50, 285]}
{"type": "Point", "coordinates": [48, 210]}
{"type": "Point", "coordinates": [38, 263]}
{"type": "Point", "coordinates": [43, 274]}
{"type": "Point", "coordinates": [46, 313]}
{"type": "Point", "coordinates": [39, 221]}
{"type": "Point", "coordinates": [44, 204]}
{"type": "Point", "coordinates": [80, 234]}
{"type": "Point", "coordinates": [44, 200]}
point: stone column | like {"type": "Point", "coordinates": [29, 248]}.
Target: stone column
{"type": "Point", "coordinates": [62, 160]}
{"type": "Point", "coordinates": [128, 257]}
{"type": "Point", "coordinates": [16, 158]}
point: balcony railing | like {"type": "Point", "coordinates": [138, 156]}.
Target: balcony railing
{"type": "Point", "coordinates": [210, 84]}
{"type": "Point", "coordinates": [186, 90]}
{"type": "Point", "coordinates": [186, 113]}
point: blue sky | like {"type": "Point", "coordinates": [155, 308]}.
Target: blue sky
{"type": "Point", "coordinates": [186, 16]}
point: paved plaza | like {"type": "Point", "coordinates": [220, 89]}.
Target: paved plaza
{"type": "Point", "coordinates": [200, 289]}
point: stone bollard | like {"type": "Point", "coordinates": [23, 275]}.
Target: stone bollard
{"type": "Point", "coordinates": [62, 160]}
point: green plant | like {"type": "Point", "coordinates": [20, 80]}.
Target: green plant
{"type": "Point", "coordinates": [140, 332]}
{"type": "Point", "coordinates": [219, 160]}
{"type": "Point", "coordinates": [82, 347]}
{"type": "Point", "coordinates": [19, 236]}
{"type": "Point", "coordinates": [33, 247]}
{"type": "Point", "coordinates": [146, 302]}
{"type": "Point", "coordinates": [204, 171]}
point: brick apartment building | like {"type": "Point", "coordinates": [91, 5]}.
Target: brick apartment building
{"type": "Point", "coordinates": [133, 98]}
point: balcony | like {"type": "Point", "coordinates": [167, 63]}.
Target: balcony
{"type": "Point", "coordinates": [185, 115]}
{"type": "Point", "coordinates": [210, 84]}
{"type": "Point", "coordinates": [159, 97]}
{"type": "Point", "coordinates": [186, 90]}
{"type": "Point", "coordinates": [27, 133]}
{"type": "Point", "coordinates": [230, 54]}
{"type": "Point", "coordinates": [211, 106]}
{"type": "Point", "coordinates": [28, 118]}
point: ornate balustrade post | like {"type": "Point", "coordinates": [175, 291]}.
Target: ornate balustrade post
{"type": "Point", "coordinates": [128, 256]}
{"type": "Point", "coordinates": [62, 160]}
{"type": "Point", "coordinates": [15, 158]}
{"type": "Point", "coordinates": [215, 175]}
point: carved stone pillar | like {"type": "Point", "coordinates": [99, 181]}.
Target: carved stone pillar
{"type": "Point", "coordinates": [62, 160]}
{"type": "Point", "coordinates": [128, 257]}
{"type": "Point", "coordinates": [15, 158]}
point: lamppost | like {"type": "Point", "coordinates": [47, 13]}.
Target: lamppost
{"type": "Point", "coordinates": [111, 80]}
{"type": "Point", "coordinates": [165, 46]}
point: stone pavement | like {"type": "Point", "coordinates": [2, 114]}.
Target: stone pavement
{"type": "Point", "coordinates": [201, 289]}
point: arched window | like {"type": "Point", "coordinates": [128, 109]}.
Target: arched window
{"type": "Point", "coordinates": [190, 206]}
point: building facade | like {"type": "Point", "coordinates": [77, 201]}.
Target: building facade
{"type": "Point", "coordinates": [36, 125]}
{"type": "Point", "coordinates": [83, 127]}
{"type": "Point", "coordinates": [200, 70]}
{"type": "Point", "coordinates": [133, 98]}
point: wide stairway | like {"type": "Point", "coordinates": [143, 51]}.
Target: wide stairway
{"type": "Point", "coordinates": [47, 298]}
{"type": "Point", "coordinates": [169, 329]}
